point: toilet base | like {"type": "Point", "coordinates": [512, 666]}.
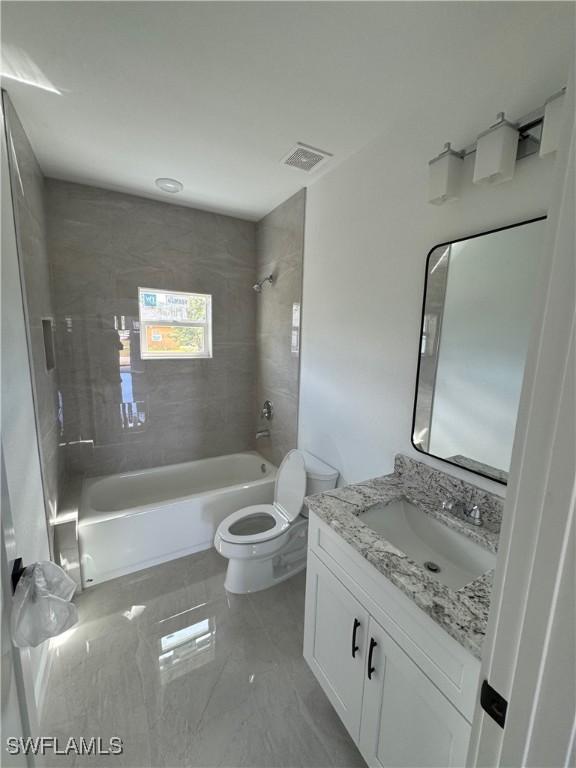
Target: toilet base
{"type": "Point", "coordinates": [245, 575]}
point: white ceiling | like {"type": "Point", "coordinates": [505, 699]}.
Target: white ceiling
{"type": "Point", "coordinates": [215, 94]}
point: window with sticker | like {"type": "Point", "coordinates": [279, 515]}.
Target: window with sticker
{"type": "Point", "coordinates": [174, 325]}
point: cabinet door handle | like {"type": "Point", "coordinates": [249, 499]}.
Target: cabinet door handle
{"type": "Point", "coordinates": [371, 669]}
{"type": "Point", "coordinates": [354, 630]}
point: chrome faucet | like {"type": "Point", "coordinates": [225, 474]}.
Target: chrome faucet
{"type": "Point", "coordinates": [472, 514]}
{"type": "Point", "coordinates": [262, 433]}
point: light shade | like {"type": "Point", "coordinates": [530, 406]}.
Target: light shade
{"type": "Point", "coordinates": [553, 115]}
{"type": "Point", "coordinates": [444, 176]}
{"type": "Point", "coordinates": [496, 153]}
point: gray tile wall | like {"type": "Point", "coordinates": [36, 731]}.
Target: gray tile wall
{"type": "Point", "coordinates": [27, 184]}
{"type": "Point", "coordinates": [280, 250]}
{"type": "Point", "coordinates": [104, 245]}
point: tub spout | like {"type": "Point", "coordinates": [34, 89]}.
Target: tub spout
{"type": "Point", "coordinates": [262, 433]}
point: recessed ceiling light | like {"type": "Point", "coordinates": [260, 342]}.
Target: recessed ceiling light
{"type": "Point", "coordinates": [169, 185]}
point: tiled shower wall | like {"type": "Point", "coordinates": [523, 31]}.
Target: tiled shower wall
{"type": "Point", "coordinates": [280, 251]}
{"type": "Point", "coordinates": [27, 185]}
{"type": "Point", "coordinates": [120, 415]}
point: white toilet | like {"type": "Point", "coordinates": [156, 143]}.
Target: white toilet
{"type": "Point", "coordinates": [266, 543]}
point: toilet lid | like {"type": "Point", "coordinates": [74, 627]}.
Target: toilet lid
{"type": "Point", "coordinates": [291, 484]}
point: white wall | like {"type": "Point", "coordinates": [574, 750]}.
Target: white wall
{"type": "Point", "coordinates": [368, 231]}
{"type": "Point", "coordinates": [483, 344]}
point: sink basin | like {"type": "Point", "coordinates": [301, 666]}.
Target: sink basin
{"type": "Point", "coordinates": [451, 558]}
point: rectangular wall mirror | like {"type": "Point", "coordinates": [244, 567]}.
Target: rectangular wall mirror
{"type": "Point", "coordinates": [476, 320]}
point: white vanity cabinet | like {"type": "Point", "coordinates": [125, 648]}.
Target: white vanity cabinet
{"type": "Point", "coordinates": [337, 657]}
{"type": "Point", "coordinates": [402, 686]}
{"type": "Point", "coordinates": [406, 721]}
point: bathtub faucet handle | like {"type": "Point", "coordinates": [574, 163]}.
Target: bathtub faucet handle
{"type": "Point", "coordinates": [267, 410]}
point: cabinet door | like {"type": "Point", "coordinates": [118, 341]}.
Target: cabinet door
{"type": "Point", "coordinates": [335, 633]}
{"type": "Point", "coordinates": [406, 721]}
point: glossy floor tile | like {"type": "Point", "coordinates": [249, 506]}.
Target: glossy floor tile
{"type": "Point", "coordinates": [189, 675]}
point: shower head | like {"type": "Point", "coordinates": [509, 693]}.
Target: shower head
{"type": "Point", "coordinates": [261, 283]}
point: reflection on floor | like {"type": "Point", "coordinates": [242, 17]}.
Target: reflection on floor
{"type": "Point", "coordinates": [188, 675]}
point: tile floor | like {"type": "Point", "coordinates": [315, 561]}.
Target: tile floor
{"type": "Point", "coordinates": [189, 675]}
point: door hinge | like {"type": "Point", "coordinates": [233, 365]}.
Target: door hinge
{"type": "Point", "coordinates": [493, 703]}
{"type": "Point", "coordinates": [17, 571]}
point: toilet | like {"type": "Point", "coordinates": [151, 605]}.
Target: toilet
{"type": "Point", "coordinates": [266, 543]}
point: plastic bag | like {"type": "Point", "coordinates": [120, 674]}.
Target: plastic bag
{"type": "Point", "coordinates": [42, 607]}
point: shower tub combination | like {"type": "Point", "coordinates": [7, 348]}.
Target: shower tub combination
{"type": "Point", "coordinates": [138, 519]}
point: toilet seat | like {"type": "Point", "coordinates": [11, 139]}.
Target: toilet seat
{"type": "Point", "coordinates": [290, 486]}
{"type": "Point", "coordinates": [266, 544]}
{"type": "Point", "coordinates": [289, 492]}
{"type": "Point", "coordinates": [281, 523]}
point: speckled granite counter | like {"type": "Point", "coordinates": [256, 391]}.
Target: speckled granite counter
{"type": "Point", "coordinates": [463, 613]}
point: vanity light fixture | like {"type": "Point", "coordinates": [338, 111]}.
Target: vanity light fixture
{"type": "Point", "coordinates": [498, 149]}
{"type": "Point", "coordinates": [553, 115]}
{"type": "Point", "coordinates": [444, 176]}
{"type": "Point", "coordinates": [169, 185]}
{"type": "Point", "coordinates": [496, 152]}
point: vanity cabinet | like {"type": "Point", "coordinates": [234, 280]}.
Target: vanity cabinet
{"type": "Point", "coordinates": [406, 721]}
{"type": "Point", "coordinates": [404, 689]}
{"type": "Point", "coordinates": [338, 629]}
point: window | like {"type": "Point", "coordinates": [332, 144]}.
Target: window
{"type": "Point", "coordinates": [174, 325]}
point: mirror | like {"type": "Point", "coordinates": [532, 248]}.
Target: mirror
{"type": "Point", "coordinates": [476, 318]}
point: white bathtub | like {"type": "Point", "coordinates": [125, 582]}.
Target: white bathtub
{"type": "Point", "coordinates": [131, 521]}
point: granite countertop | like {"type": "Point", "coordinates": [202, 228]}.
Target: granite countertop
{"type": "Point", "coordinates": [463, 613]}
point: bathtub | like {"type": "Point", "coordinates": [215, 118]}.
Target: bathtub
{"type": "Point", "coordinates": [134, 520]}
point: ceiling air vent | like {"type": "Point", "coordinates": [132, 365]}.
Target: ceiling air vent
{"type": "Point", "coordinates": [305, 157]}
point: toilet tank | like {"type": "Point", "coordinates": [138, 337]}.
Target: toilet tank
{"type": "Point", "coordinates": [319, 476]}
